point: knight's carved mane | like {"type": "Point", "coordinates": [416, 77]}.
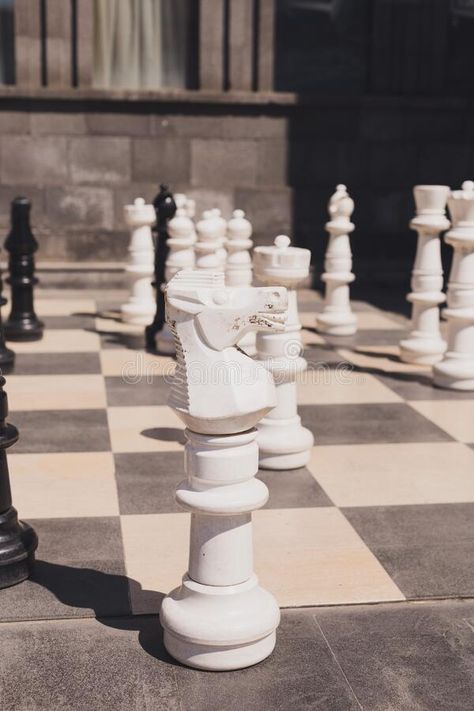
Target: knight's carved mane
{"type": "Point", "coordinates": [186, 284]}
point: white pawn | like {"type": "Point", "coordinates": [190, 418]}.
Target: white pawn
{"type": "Point", "coordinates": [424, 345]}
{"type": "Point", "coordinates": [222, 228]}
{"type": "Point", "coordinates": [141, 305]}
{"type": "Point", "coordinates": [456, 370]}
{"type": "Point", "coordinates": [220, 618]}
{"type": "Point", "coordinates": [208, 243]}
{"type": "Point", "coordinates": [180, 243]}
{"type": "Point", "coordinates": [282, 440]}
{"type": "Point", "coordinates": [238, 269]}
{"type": "Point", "coordinates": [337, 318]}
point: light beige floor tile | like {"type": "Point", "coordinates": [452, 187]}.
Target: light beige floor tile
{"type": "Point", "coordinates": [341, 385]}
{"type": "Point", "coordinates": [156, 555]}
{"type": "Point", "coordinates": [313, 556]}
{"type": "Point", "coordinates": [134, 365]}
{"type": "Point", "coordinates": [56, 392]}
{"type": "Point", "coordinates": [304, 556]}
{"type": "Point", "coordinates": [61, 341]}
{"type": "Point", "coordinates": [395, 474]}
{"type": "Point", "coordinates": [61, 484]}
{"type": "Point", "coordinates": [64, 307]}
{"type": "Point", "coordinates": [368, 320]}
{"type": "Point", "coordinates": [384, 358]}
{"type": "Point", "coordinates": [365, 320]}
{"type": "Point", "coordinates": [145, 429]}
{"type": "Point", "coordinates": [456, 417]}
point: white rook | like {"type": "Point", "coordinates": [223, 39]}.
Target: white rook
{"type": "Point", "coordinates": [456, 370]}
{"type": "Point", "coordinates": [282, 440]}
{"type": "Point", "coordinates": [220, 618]}
{"type": "Point", "coordinates": [337, 318]}
{"type": "Point", "coordinates": [141, 305]}
{"type": "Point", "coordinates": [424, 344]}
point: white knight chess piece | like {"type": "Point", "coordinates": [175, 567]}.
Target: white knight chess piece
{"type": "Point", "coordinates": [337, 318]}
{"type": "Point", "coordinates": [140, 307]}
{"type": "Point", "coordinates": [220, 618]}
{"type": "Point", "coordinates": [424, 344]}
{"type": "Point", "coordinates": [282, 440]}
{"type": "Point", "coordinates": [456, 370]}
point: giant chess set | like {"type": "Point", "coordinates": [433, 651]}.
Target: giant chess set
{"type": "Point", "coordinates": [227, 419]}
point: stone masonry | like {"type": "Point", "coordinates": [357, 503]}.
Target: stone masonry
{"type": "Point", "coordinates": [80, 161]}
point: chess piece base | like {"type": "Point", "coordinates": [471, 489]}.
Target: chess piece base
{"type": "Point", "coordinates": [219, 627]}
{"type": "Point", "coordinates": [18, 542]}
{"type": "Point", "coordinates": [283, 443]}
{"type": "Point", "coordinates": [7, 359]}
{"type": "Point", "coordinates": [422, 350]}
{"type": "Point", "coordinates": [337, 323]}
{"type": "Point", "coordinates": [138, 314]}
{"type": "Point", "coordinates": [23, 330]}
{"type": "Point", "coordinates": [454, 373]}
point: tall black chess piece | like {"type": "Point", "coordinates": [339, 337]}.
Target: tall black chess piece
{"type": "Point", "coordinates": [7, 356]}
{"type": "Point", "coordinates": [22, 324]}
{"type": "Point", "coordinates": [18, 541]}
{"type": "Point", "coordinates": [165, 208]}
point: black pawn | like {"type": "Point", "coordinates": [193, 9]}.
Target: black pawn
{"type": "Point", "coordinates": [165, 208]}
{"type": "Point", "coordinates": [7, 356]}
{"type": "Point", "coordinates": [18, 541]}
{"type": "Point", "coordinates": [22, 324]}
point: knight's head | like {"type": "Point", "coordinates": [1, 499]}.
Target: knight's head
{"type": "Point", "coordinates": [223, 314]}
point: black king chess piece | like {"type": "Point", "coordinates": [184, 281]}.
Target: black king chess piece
{"type": "Point", "coordinates": [7, 356]}
{"type": "Point", "coordinates": [165, 208]}
{"type": "Point", "coordinates": [18, 541]}
{"type": "Point", "coordinates": [22, 324]}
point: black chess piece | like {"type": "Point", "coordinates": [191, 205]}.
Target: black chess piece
{"type": "Point", "coordinates": [18, 541]}
{"type": "Point", "coordinates": [22, 324]}
{"type": "Point", "coordinates": [7, 356]}
{"type": "Point", "coordinates": [165, 208]}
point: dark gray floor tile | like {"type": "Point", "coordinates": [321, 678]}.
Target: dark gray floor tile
{"type": "Point", "coordinates": [320, 356]}
{"type": "Point", "coordinates": [405, 657]}
{"type": "Point", "coordinates": [61, 430]}
{"type": "Point", "coordinates": [146, 481]}
{"type": "Point", "coordinates": [121, 340]}
{"type": "Point", "coordinates": [56, 363]}
{"type": "Point", "coordinates": [149, 390]}
{"type": "Point", "coordinates": [85, 321]}
{"type": "Point", "coordinates": [294, 488]}
{"type": "Point", "coordinates": [369, 423]}
{"type": "Point", "coordinates": [301, 674]}
{"type": "Point", "coordinates": [86, 665]}
{"type": "Point", "coordinates": [415, 386]}
{"type": "Point", "coordinates": [426, 549]}
{"type": "Point", "coordinates": [79, 571]}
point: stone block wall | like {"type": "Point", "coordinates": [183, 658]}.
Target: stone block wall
{"type": "Point", "coordinates": [80, 161]}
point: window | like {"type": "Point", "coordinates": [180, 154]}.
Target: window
{"type": "Point", "coordinates": [144, 44]}
{"type": "Point", "coordinates": [7, 50]}
{"type": "Point", "coordinates": [322, 45]}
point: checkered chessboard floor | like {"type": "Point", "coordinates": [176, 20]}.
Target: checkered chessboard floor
{"type": "Point", "coordinates": [383, 512]}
